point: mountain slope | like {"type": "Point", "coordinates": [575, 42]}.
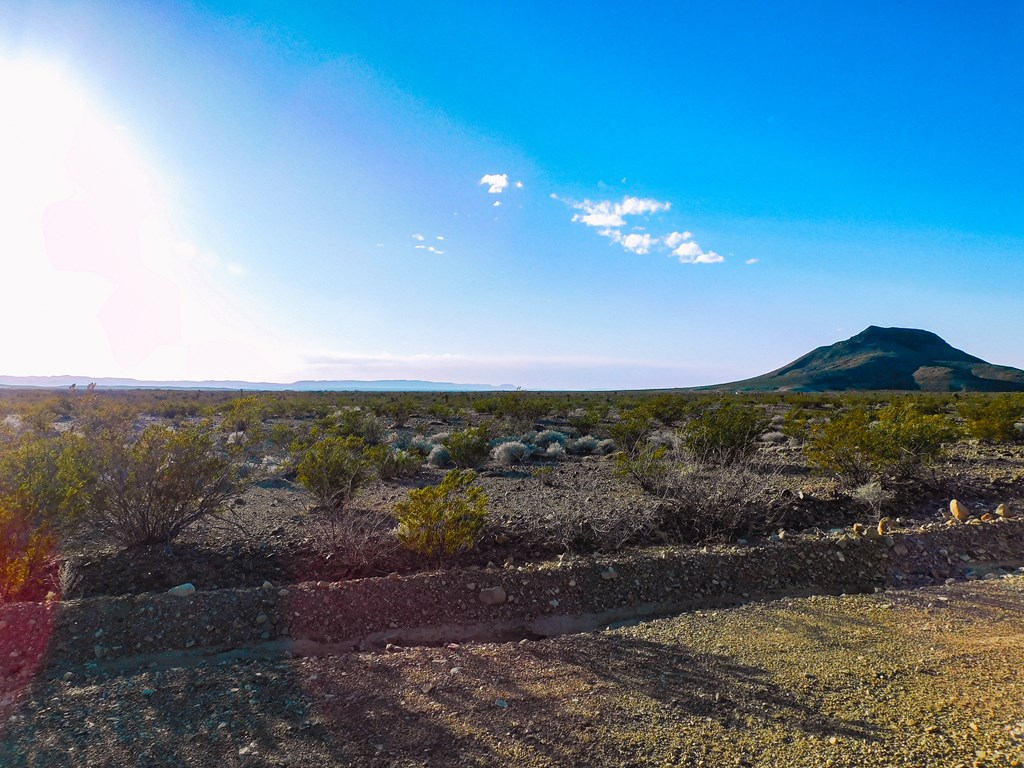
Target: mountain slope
{"type": "Point", "coordinates": [887, 358]}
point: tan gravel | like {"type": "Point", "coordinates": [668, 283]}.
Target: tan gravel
{"type": "Point", "coordinates": [931, 677]}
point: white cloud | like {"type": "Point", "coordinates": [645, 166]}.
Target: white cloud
{"type": "Point", "coordinates": [638, 243]}
{"type": "Point", "coordinates": [673, 239]}
{"type": "Point", "coordinates": [440, 237]}
{"type": "Point", "coordinates": [751, 261]}
{"type": "Point", "coordinates": [418, 236]}
{"type": "Point", "coordinates": [519, 185]}
{"type": "Point", "coordinates": [497, 203]}
{"type": "Point", "coordinates": [605, 213]}
{"type": "Point", "coordinates": [496, 182]}
{"type": "Point", "coordinates": [691, 253]}
{"type": "Point", "coordinates": [610, 217]}
{"type": "Point", "coordinates": [428, 249]}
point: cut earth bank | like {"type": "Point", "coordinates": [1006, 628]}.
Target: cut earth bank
{"type": "Point", "coordinates": [494, 603]}
{"type": "Point", "coordinates": [929, 676]}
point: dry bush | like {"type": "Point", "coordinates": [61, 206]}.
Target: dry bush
{"type": "Point", "coordinates": [360, 541]}
{"type": "Point", "coordinates": [150, 489]}
{"type": "Point", "coordinates": [704, 500]}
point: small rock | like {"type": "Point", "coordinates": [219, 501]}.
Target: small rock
{"type": "Point", "coordinates": [267, 585]}
{"type": "Point", "coordinates": [501, 703]}
{"type": "Point", "coordinates": [182, 590]}
{"type": "Point", "coordinates": [900, 549]}
{"type": "Point", "coordinates": [283, 592]}
{"type": "Point", "coordinates": [958, 510]}
{"type": "Point", "coordinates": [1003, 510]}
{"type": "Point", "coordinates": [493, 596]}
{"type": "Point", "coordinates": [609, 574]}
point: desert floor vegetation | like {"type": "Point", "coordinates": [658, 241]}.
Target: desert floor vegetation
{"type": "Point", "coordinates": [326, 481]}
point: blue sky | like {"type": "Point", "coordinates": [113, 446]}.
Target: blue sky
{"type": "Point", "coordinates": [576, 195]}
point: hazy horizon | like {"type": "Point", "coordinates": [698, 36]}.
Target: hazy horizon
{"type": "Point", "coordinates": [667, 196]}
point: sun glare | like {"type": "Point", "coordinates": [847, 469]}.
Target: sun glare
{"type": "Point", "coordinates": [97, 274]}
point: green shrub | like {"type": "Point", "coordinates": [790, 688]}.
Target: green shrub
{"type": "Point", "coordinates": [585, 421]}
{"type": "Point", "coordinates": [468, 449]}
{"type": "Point", "coordinates": [333, 468]}
{"type": "Point", "coordinates": [398, 409]}
{"type": "Point", "coordinates": [648, 467]}
{"type": "Point", "coordinates": [282, 435]}
{"type": "Point", "coordinates": [897, 440]}
{"type": "Point", "coordinates": [353, 421]}
{"type": "Point", "coordinates": [796, 423]}
{"type": "Point", "coordinates": [993, 419]}
{"type": "Point", "coordinates": [668, 409]}
{"type": "Point", "coordinates": [150, 489]}
{"type": "Point", "coordinates": [48, 477]}
{"type": "Point", "coordinates": [246, 414]}
{"type": "Point", "coordinates": [26, 551]}
{"type": "Point", "coordinates": [726, 433]}
{"type": "Point", "coordinates": [440, 521]}
{"type": "Point", "coordinates": [392, 464]}
{"type": "Point", "coordinates": [632, 429]}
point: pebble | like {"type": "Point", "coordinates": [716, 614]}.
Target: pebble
{"type": "Point", "coordinates": [182, 590]}
{"type": "Point", "coordinates": [609, 574]}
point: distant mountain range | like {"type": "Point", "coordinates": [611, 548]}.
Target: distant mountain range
{"type": "Point", "coordinates": [395, 385]}
{"type": "Point", "coordinates": [886, 359]}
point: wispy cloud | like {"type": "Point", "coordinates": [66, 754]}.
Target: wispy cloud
{"type": "Point", "coordinates": [612, 219]}
{"type": "Point", "coordinates": [429, 249]}
{"type": "Point", "coordinates": [751, 261]}
{"type": "Point", "coordinates": [605, 213]}
{"type": "Point", "coordinates": [418, 236]}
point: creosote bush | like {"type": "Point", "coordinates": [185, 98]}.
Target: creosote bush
{"type": "Point", "coordinates": [393, 463]}
{"type": "Point", "coordinates": [441, 521]}
{"type": "Point", "coordinates": [469, 449]}
{"type": "Point", "coordinates": [861, 445]}
{"type": "Point", "coordinates": [150, 489]}
{"type": "Point", "coordinates": [725, 433]}
{"type": "Point", "coordinates": [631, 431]}
{"type": "Point", "coordinates": [993, 419]}
{"type": "Point", "coordinates": [333, 468]}
{"type": "Point", "coordinates": [49, 477]}
{"type": "Point", "coordinates": [26, 551]}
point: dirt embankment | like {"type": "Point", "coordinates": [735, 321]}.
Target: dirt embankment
{"type": "Point", "coordinates": [532, 601]}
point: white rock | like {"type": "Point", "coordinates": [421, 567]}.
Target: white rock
{"type": "Point", "coordinates": [182, 590]}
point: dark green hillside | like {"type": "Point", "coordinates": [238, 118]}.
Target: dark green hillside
{"type": "Point", "coordinates": [886, 359]}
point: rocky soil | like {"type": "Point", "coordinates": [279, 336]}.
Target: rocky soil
{"type": "Point", "coordinates": [516, 664]}
{"type": "Point", "coordinates": [925, 677]}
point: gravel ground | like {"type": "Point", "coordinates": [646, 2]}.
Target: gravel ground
{"type": "Point", "coordinates": [928, 677]}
